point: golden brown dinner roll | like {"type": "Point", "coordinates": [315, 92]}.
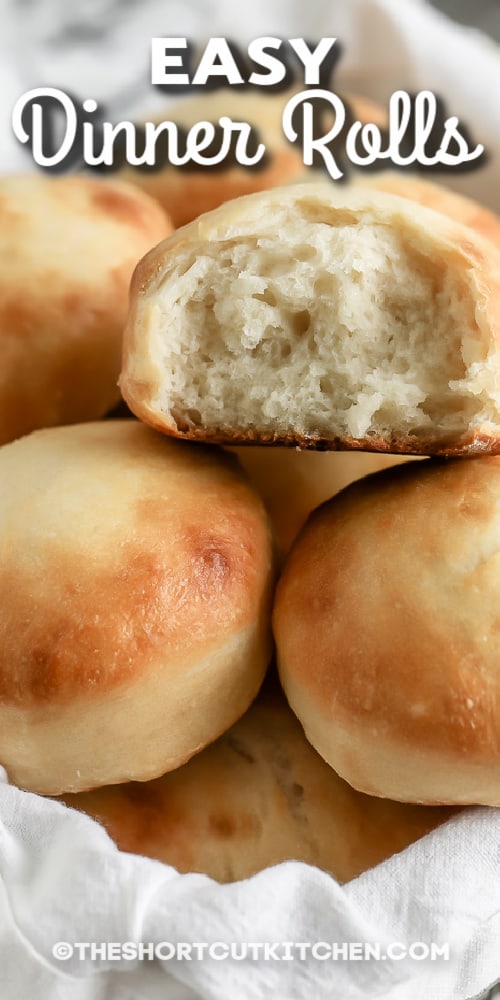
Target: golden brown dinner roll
{"type": "Point", "coordinates": [436, 196]}
{"type": "Point", "coordinates": [388, 632]}
{"type": "Point", "coordinates": [292, 482]}
{"type": "Point", "coordinates": [185, 194]}
{"type": "Point", "coordinates": [135, 577]}
{"type": "Point", "coordinates": [68, 246]}
{"type": "Point", "coordinates": [327, 319]}
{"type": "Point", "coordinates": [258, 796]}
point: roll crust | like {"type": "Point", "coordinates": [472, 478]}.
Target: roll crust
{"type": "Point", "coordinates": [424, 192]}
{"type": "Point", "coordinates": [388, 635]}
{"type": "Point", "coordinates": [135, 603]}
{"type": "Point", "coordinates": [292, 482]}
{"type": "Point", "coordinates": [68, 246]}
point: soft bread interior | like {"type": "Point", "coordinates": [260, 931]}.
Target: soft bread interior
{"type": "Point", "coordinates": [328, 322]}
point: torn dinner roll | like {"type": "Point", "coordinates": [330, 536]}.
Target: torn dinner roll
{"type": "Point", "coordinates": [388, 633]}
{"type": "Point", "coordinates": [306, 316]}
{"type": "Point", "coordinates": [68, 246]}
{"type": "Point", "coordinates": [135, 583]}
{"type": "Point", "coordinates": [258, 796]}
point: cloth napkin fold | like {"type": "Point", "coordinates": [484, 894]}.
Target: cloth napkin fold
{"type": "Point", "coordinates": [62, 880]}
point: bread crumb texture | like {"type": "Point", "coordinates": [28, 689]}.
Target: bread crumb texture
{"type": "Point", "coordinates": [316, 320]}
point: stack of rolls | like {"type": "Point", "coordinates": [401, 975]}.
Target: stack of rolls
{"type": "Point", "coordinates": [144, 586]}
{"type": "Point", "coordinates": [319, 320]}
{"type": "Point", "coordinates": [137, 582]}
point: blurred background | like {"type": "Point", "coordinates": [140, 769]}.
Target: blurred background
{"type": "Point", "coordinates": [484, 14]}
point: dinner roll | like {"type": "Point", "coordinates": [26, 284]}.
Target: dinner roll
{"type": "Point", "coordinates": [388, 632]}
{"type": "Point", "coordinates": [436, 196]}
{"type": "Point", "coordinates": [292, 482]}
{"type": "Point", "coordinates": [320, 318]}
{"type": "Point", "coordinates": [258, 796]}
{"type": "Point", "coordinates": [68, 246]}
{"type": "Point", "coordinates": [186, 193]}
{"type": "Point", "coordinates": [135, 578]}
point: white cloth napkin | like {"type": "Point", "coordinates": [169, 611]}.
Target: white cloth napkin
{"type": "Point", "coordinates": [61, 878]}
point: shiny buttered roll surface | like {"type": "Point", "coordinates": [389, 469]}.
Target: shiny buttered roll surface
{"type": "Point", "coordinates": [387, 627]}
{"type": "Point", "coordinates": [135, 588]}
{"type": "Point", "coordinates": [258, 796]}
{"type": "Point", "coordinates": [68, 246]}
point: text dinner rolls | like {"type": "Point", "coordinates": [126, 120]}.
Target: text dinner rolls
{"type": "Point", "coordinates": [322, 318]}
{"type": "Point", "coordinates": [186, 193]}
{"type": "Point", "coordinates": [387, 627]}
{"type": "Point", "coordinates": [135, 579]}
{"type": "Point", "coordinates": [68, 246]}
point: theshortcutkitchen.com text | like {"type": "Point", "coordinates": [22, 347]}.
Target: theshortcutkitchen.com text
{"type": "Point", "coordinates": [62, 131]}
